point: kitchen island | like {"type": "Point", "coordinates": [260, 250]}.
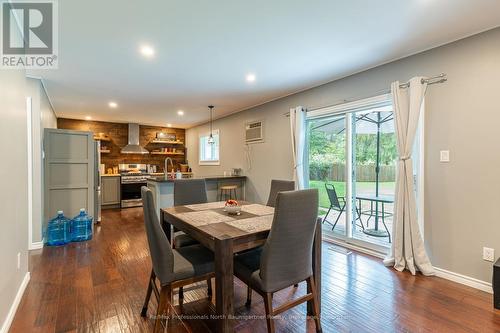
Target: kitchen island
{"type": "Point", "coordinates": [163, 189]}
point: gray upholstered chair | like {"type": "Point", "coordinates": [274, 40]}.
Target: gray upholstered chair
{"type": "Point", "coordinates": [286, 257]}
{"type": "Point", "coordinates": [279, 186]}
{"type": "Point", "coordinates": [188, 192]}
{"type": "Point", "coordinates": [276, 187]}
{"type": "Point", "coordinates": [173, 268]}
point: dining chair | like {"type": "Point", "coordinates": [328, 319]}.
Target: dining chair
{"type": "Point", "coordinates": [286, 257]}
{"type": "Point", "coordinates": [188, 192]}
{"type": "Point", "coordinates": [173, 268]}
{"type": "Point", "coordinates": [276, 187]}
{"type": "Point", "coordinates": [279, 186]}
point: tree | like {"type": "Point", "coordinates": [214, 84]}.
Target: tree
{"type": "Point", "coordinates": [330, 147]}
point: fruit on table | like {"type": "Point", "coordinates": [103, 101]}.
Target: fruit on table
{"type": "Point", "coordinates": [231, 202]}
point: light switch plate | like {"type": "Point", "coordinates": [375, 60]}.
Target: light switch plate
{"type": "Point", "coordinates": [444, 156]}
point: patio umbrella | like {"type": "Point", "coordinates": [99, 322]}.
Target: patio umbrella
{"type": "Point", "coordinates": [383, 124]}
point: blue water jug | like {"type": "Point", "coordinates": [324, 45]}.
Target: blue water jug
{"type": "Point", "coordinates": [81, 228]}
{"type": "Point", "coordinates": [58, 230]}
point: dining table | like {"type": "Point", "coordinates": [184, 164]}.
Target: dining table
{"type": "Point", "coordinates": [226, 235]}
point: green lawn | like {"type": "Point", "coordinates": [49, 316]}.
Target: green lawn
{"type": "Point", "coordinates": [340, 187]}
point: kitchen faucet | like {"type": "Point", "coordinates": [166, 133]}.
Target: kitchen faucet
{"type": "Point", "coordinates": [165, 167]}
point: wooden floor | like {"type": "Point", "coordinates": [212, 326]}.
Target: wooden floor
{"type": "Point", "coordinates": [99, 286]}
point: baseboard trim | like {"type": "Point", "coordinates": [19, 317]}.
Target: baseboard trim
{"type": "Point", "coordinates": [36, 246]}
{"type": "Point", "coordinates": [13, 308]}
{"type": "Point", "coordinates": [463, 279]}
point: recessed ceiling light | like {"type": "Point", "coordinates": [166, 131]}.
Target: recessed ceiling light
{"type": "Point", "coordinates": [169, 125]}
{"type": "Point", "coordinates": [88, 118]}
{"type": "Point", "coordinates": [147, 51]}
{"type": "Point", "coordinates": [180, 113]}
{"type": "Point", "coordinates": [250, 77]}
{"type": "Point", "coordinates": [113, 105]}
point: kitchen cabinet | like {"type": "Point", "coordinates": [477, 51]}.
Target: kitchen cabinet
{"type": "Point", "coordinates": [110, 190]}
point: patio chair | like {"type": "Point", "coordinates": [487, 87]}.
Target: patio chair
{"type": "Point", "coordinates": [338, 204]}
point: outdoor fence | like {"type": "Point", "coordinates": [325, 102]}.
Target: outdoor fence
{"type": "Point", "coordinates": [364, 173]}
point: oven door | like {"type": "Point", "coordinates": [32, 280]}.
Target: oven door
{"type": "Point", "coordinates": [131, 194]}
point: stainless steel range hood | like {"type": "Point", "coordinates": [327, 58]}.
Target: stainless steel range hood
{"type": "Point", "coordinates": [133, 146]}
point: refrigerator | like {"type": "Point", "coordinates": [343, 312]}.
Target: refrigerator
{"type": "Point", "coordinates": [97, 182]}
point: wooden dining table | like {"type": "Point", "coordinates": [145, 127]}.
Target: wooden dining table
{"type": "Point", "coordinates": [227, 235]}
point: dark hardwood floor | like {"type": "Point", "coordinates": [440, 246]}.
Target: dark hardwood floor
{"type": "Point", "coordinates": [99, 286]}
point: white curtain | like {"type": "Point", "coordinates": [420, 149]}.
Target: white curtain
{"type": "Point", "coordinates": [407, 251]}
{"type": "Point", "coordinates": [298, 131]}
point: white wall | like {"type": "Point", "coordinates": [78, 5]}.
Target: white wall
{"type": "Point", "coordinates": [43, 117]}
{"type": "Point", "coordinates": [463, 115]}
{"type": "Point", "coordinates": [14, 196]}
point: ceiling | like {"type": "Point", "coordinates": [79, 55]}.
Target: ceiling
{"type": "Point", "coordinates": [205, 49]}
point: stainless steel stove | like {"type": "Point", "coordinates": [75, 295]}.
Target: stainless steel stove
{"type": "Point", "coordinates": [133, 177]}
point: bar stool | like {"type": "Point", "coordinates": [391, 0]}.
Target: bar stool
{"type": "Point", "coordinates": [227, 191]}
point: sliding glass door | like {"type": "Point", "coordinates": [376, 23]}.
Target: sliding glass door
{"type": "Point", "coordinates": [352, 157]}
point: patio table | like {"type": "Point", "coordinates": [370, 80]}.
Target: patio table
{"type": "Point", "coordinates": [374, 199]}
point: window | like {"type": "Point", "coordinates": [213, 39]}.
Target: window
{"type": "Point", "coordinates": [209, 153]}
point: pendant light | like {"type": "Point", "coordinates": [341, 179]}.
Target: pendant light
{"type": "Point", "coordinates": [211, 139]}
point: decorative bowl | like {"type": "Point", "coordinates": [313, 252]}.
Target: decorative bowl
{"type": "Point", "coordinates": [233, 210]}
{"type": "Point", "coordinates": [232, 207]}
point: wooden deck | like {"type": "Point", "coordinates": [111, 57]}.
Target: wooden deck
{"type": "Point", "coordinates": [99, 286]}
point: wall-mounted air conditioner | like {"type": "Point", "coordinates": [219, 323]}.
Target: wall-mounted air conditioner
{"type": "Point", "coordinates": [254, 132]}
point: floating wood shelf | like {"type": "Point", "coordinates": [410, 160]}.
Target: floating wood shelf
{"type": "Point", "coordinates": [100, 138]}
{"type": "Point", "coordinates": [105, 151]}
{"type": "Point", "coordinates": [164, 153]}
{"type": "Point", "coordinates": [167, 142]}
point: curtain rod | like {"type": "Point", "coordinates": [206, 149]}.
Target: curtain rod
{"type": "Point", "coordinates": [441, 78]}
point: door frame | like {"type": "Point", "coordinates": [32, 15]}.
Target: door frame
{"type": "Point", "coordinates": [29, 147]}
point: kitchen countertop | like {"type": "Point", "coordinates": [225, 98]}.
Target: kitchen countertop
{"type": "Point", "coordinates": [160, 174]}
{"type": "Point", "coordinates": [163, 180]}
{"type": "Point", "coordinates": [153, 175]}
